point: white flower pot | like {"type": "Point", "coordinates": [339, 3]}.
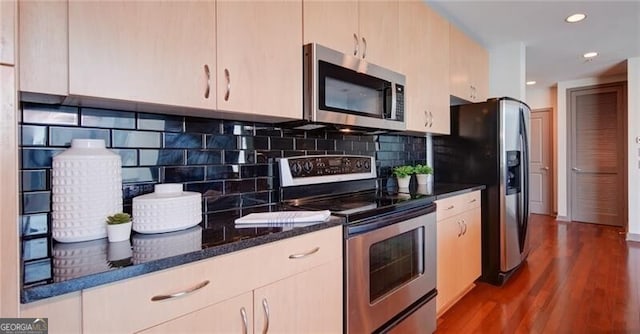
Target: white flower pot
{"type": "Point", "coordinates": [119, 232]}
{"type": "Point", "coordinates": [403, 182]}
{"type": "Point", "coordinates": [86, 182]}
{"type": "Point", "coordinates": [424, 178]}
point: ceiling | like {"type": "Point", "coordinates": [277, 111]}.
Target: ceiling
{"type": "Point", "coordinates": [554, 48]}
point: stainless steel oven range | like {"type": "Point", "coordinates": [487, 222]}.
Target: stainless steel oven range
{"type": "Point", "coordinates": [390, 241]}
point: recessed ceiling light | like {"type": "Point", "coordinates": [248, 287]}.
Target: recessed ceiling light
{"type": "Point", "coordinates": [590, 55]}
{"type": "Point", "coordinates": [575, 18]}
{"type": "Point", "coordinates": [531, 82]}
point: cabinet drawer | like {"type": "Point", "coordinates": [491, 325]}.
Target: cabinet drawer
{"type": "Point", "coordinates": [449, 207]}
{"type": "Point", "coordinates": [227, 275]}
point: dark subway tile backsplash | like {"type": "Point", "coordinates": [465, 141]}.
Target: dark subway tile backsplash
{"type": "Point", "coordinates": [231, 163]}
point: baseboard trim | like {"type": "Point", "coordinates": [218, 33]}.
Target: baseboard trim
{"type": "Point", "coordinates": [563, 218]}
{"type": "Point", "coordinates": [633, 237]}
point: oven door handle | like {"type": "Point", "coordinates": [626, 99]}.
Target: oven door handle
{"type": "Point", "coordinates": [303, 255]}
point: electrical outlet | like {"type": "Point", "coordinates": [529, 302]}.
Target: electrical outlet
{"type": "Point", "coordinates": [638, 140]}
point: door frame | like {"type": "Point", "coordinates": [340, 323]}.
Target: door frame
{"type": "Point", "coordinates": [622, 157]}
{"type": "Point", "coordinates": [552, 159]}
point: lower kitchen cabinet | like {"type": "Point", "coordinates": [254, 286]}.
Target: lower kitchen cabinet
{"type": "Point", "coordinates": [64, 313]}
{"type": "Point", "coordinates": [459, 248]}
{"type": "Point", "coordinates": [305, 303]}
{"type": "Point", "coordinates": [230, 316]}
{"type": "Point", "coordinates": [300, 279]}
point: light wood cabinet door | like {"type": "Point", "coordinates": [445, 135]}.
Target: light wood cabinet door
{"type": "Point", "coordinates": [470, 248]}
{"type": "Point", "coordinates": [341, 34]}
{"type": "Point", "coordinates": [413, 45]}
{"type": "Point", "coordinates": [459, 247]}
{"type": "Point", "coordinates": [469, 67]}
{"type": "Point", "coordinates": [448, 261]}
{"type": "Point", "coordinates": [378, 26]}
{"type": "Point", "coordinates": [42, 30]}
{"type": "Point", "coordinates": [427, 91]}
{"type": "Point", "coordinates": [234, 315]}
{"type": "Point", "coordinates": [155, 52]}
{"type": "Point", "coordinates": [309, 302]}
{"type": "Point", "coordinates": [8, 10]}
{"type": "Point", "coordinates": [437, 58]}
{"type": "Point", "coordinates": [365, 29]}
{"type": "Point", "coordinates": [260, 57]}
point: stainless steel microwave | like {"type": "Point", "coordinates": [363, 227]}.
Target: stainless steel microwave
{"type": "Point", "coordinates": [349, 92]}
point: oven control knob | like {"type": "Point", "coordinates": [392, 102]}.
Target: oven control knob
{"type": "Point", "coordinates": [358, 164]}
{"type": "Point", "coordinates": [308, 166]}
{"type": "Point", "coordinates": [367, 164]}
{"type": "Point", "coordinates": [296, 168]}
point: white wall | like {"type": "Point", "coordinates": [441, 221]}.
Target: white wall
{"type": "Point", "coordinates": [633, 152]}
{"type": "Point", "coordinates": [561, 136]}
{"type": "Point", "coordinates": [507, 66]}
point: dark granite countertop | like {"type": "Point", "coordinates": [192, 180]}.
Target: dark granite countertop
{"type": "Point", "coordinates": [72, 267]}
{"type": "Point", "coordinates": [67, 267]}
{"type": "Point", "coordinates": [444, 190]}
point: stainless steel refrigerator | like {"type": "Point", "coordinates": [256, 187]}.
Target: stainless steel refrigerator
{"type": "Point", "coordinates": [489, 144]}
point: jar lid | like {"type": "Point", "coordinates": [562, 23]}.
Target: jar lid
{"type": "Point", "coordinates": [167, 188]}
{"type": "Point", "coordinates": [88, 143]}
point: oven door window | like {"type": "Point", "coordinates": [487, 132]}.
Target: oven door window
{"type": "Point", "coordinates": [394, 262]}
{"type": "Point", "coordinates": [347, 91]}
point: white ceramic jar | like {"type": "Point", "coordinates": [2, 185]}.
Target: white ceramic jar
{"type": "Point", "coordinates": [86, 184]}
{"type": "Point", "coordinates": [167, 209]}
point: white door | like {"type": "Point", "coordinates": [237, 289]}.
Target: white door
{"type": "Point", "coordinates": [540, 173]}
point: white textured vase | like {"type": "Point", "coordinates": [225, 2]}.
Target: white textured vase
{"type": "Point", "coordinates": [86, 183]}
{"type": "Point", "coordinates": [167, 209]}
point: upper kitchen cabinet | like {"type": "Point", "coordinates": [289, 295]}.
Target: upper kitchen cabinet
{"type": "Point", "coordinates": [469, 66]}
{"type": "Point", "coordinates": [259, 57]}
{"type": "Point", "coordinates": [366, 29]}
{"type": "Point", "coordinates": [424, 42]}
{"type": "Point", "coordinates": [159, 52]}
{"type": "Point", "coordinates": [42, 47]}
{"type": "Point", "coordinates": [7, 31]}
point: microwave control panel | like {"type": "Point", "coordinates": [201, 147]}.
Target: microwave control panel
{"type": "Point", "coordinates": [329, 165]}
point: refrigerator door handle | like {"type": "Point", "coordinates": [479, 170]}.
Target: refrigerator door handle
{"type": "Point", "coordinates": [525, 186]}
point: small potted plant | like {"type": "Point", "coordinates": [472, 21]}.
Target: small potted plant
{"type": "Point", "coordinates": [119, 227]}
{"type": "Point", "coordinates": [403, 173]}
{"type": "Point", "coordinates": [423, 173]}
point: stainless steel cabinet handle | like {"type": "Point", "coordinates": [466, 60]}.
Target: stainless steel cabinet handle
{"type": "Point", "coordinates": [208, 74]}
{"type": "Point", "coordinates": [228, 77]}
{"type": "Point", "coordinates": [364, 48]}
{"type": "Point", "coordinates": [430, 119]}
{"type": "Point", "coordinates": [459, 229]}
{"type": "Point", "coordinates": [301, 255]}
{"type": "Point", "coordinates": [265, 308]}
{"type": "Point", "coordinates": [464, 225]}
{"type": "Point", "coordinates": [576, 169]}
{"type": "Point", "coordinates": [450, 207]}
{"type": "Point", "coordinates": [181, 293]}
{"type": "Point", "coordinates": [426, 119]}
{"type": "Point", "coordinates": [472, 201]}
{"type": "Point", "coordinates": [545, 168]}
{"type": "Point", "coordinates": [245, 324]}
{"type": "Point", "coordinates": [356, 45]}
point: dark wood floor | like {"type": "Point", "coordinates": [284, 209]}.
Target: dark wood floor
{"type": "Point", "coordinates": [579, 278]}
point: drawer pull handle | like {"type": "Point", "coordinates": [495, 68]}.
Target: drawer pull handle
{"type": "Point", "coordinates": [265, 308]}
{"type": "Point", "coordinates": [450, 207]}
{"type": "Point", "coordinates": [227, 76]}
{"type": "Point", "coordinates": [245, 324]}
{"type": "Point", "coordinates": [301, 255]}
{"type": "Point", "coordinates": [459, 229]}
{"type": "Point", "coordinates": [464, 224]}
{"type": "Point", "coordinates": [472, 201]}
{"type": "Point", "coordinates": [181, 293]}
